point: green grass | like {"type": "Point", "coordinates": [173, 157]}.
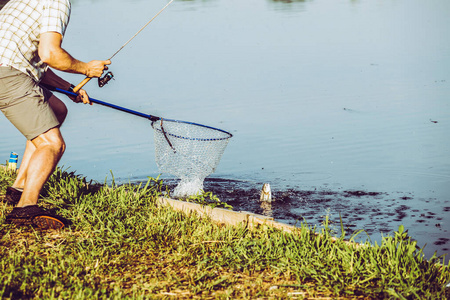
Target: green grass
{"type": "Point", "coordinates": [122, 245]}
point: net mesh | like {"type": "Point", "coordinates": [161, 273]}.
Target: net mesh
{"type": "Point", "coordinates": [189, 151]}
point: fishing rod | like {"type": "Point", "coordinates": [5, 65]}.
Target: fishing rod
{"type": "Point", "coordinates": [108, 76]}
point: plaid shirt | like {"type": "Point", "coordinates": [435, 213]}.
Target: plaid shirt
{"type": "Point", "coordinates": [21, 23]}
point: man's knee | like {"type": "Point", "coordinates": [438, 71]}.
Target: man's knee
{"type": "Point", "coordinates": [52, 139]}
{"type": "Point", "coordinates": [61, 147]}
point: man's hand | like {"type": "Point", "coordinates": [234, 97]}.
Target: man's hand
{"type": "Point", "coordinates": [95, 68]}
{"type": "Point", "coordinates": [82, 96]}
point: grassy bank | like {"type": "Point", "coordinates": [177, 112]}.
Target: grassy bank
{"type": "Point", "coordinates": [121, 245]}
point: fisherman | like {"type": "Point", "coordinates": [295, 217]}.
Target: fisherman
{"type": "Point", "coordinates": [31, 33]}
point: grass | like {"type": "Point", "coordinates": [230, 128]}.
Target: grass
{"type": "Point", "coordinates": [122, 245]}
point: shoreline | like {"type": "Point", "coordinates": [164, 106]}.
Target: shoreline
{"type": "Point", "coordinates": [134, 243]}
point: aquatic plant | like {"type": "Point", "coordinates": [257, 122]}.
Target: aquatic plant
{"type": "Point", "coordinates": [209, 199]}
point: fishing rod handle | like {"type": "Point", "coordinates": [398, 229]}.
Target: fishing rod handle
{"type": "Point", "coordinates": [81, 84]}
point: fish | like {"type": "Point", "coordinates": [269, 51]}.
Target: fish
{"type": "Point", "coordinates": [266, 193]}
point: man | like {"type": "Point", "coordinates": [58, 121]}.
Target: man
{"type": "Point", "coordinates": [31, 33]}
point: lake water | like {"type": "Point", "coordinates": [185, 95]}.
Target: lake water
{"type": "Point", "coordinates": [342, 106]}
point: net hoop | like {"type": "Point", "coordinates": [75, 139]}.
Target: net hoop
{"type": "Point", "coordinates": [226, 136]}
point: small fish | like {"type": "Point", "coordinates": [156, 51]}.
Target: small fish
{"type": "Point", "coordinates": [266, 194]}
{"type": "Point", "coordinates": [433, 121]}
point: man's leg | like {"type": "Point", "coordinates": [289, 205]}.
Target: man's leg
{"type": "Point", "coordinates": [50, 147]}
{"type": "Point", "coordinates": [19, 183]}
{"type": "Point", "coordinates": [60, 111]}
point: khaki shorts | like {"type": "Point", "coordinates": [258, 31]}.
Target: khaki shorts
{"type": "Point", "coordinates": [25, 103]}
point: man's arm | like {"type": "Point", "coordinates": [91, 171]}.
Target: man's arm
{"type": "Point", "coordinates": [52, 54]}
{"type": "Point", "coordinates": [51, 79]}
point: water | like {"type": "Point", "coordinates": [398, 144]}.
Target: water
{"type": "Point", "coordinates": [342, 106]}
{"type": "Point", "coordinates": [188, 187]}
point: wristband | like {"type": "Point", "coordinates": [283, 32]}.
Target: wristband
{"type": "Point", "coordinates": [70, 89]}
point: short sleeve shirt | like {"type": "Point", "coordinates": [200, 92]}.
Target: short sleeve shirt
{"type": "Point", "coordinates": [21, 24]}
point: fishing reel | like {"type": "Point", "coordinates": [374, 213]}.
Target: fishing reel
{"type": "Point", "coordinates": [102, 81]}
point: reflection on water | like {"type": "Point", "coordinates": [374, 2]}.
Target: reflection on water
{"type": "Point", "coordinates": [321, 96]}
{"type": "Point", "coordinates": [288, 1]}
{"type": "Point", "coordinates": [288, 5]}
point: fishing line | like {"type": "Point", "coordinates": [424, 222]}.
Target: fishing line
{"type": "Point", "coordinates": [108, 76]}
{"type": "Point", "coordinates": [140, 30]}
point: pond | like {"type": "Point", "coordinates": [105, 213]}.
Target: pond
{"type": "Point", "coordinates": [342, 106]}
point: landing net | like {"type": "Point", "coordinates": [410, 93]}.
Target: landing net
{"type": "Point", "coordinates": [189, 151]}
